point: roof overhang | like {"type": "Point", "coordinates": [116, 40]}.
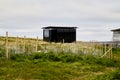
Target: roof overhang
{"type": "Point", "coordinates": [115, 30]}
{"type": "Point", "coordinates": [59, 27]}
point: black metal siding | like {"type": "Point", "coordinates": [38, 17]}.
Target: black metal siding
{"type": "Point", "coordinates": [61, 35]}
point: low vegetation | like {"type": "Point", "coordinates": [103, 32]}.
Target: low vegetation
{"type": "Point", "coordinates": [48, 64]}
{"type": "Point", "coordinates": [61, 66]}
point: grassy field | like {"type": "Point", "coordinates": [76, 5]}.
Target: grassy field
{"type": "Point", "coordinates": [47, 64]}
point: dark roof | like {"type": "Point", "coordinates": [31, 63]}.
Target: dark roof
{"type": "Point", "coordinates": [58, 27]}
{"type": "Point", "coordinates": [116, 29]}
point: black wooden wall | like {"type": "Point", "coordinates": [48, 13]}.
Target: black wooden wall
{"type": "Point", "coordinates": [65, 35]}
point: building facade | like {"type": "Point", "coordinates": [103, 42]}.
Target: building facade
{"type": "Point", "coordinates": [59, 34]}
{"type": "Point", "coordinates": [116, 34]}
{"type": "Point", "coordinates": [116, 37]}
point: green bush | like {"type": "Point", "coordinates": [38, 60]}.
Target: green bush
{"type": "Point", "coordinates": [66, 57]}
{"type": "Point", "coordinates": [100, 61]}
{"type": "Point", "coordinates": [2, 52]}
{"type": "Point", "coordinates": [116, 50]}
{"type": "Point", "coordinates": [17, 57]}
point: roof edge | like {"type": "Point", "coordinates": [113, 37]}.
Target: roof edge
{"type": "Point", "coordinates": [116, 29]}
{"type": "Point", "coordinates": [58, 27]}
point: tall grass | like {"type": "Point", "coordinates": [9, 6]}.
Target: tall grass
{"type": "Point", "coordinates": [65, 58]}
{"type": "Point", "coordinates": [61, 66]}
{"type": "Point", "coordinates": [57, 61]}
{"type": "Point", "coordinates": [115, 75]}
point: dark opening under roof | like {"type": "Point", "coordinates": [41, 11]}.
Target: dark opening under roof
{"type": "Point", "coordinates": [59, 27]}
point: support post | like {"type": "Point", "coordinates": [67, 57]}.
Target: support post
{"type": "Point", "coordinates": [6, 45]}
{"type": "Point", "coordinates": [16, 45]}
{"type": "Point", "coordinates": [24, 45]}
{"type": "Point", "coordinates": [111, 51]}
{"type": "Point", "coordinates": [37, 44]}
{"type": "Point", "coordinates": [105, 48]}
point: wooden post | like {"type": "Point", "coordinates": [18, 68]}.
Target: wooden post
{"type": "Point", "coordinates": [105, 48]}
{"type": "Point", "coordinates": [37, 44]}
{"type": "Point", "coordinates": [63, 40]}
{"type": "Point", "coordinates": [106, 52]}
{"type": "Point", "coordinates": [24, 44]}
{"type": "Point", "coordinates": [111, 52]}
{"type": "Point", "coordinates": [16, 44]}
{"type": "Point", "coordinates": [6, 45]}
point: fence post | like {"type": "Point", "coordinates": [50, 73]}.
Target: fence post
{"type": "Point", "coordinates": [37, 44]}
{"type": "Point", "coordinates": [111, 52]}
{"type": "Point", "coordinates": [105, 48]}
{"type": "Point", "coordinates": [24, 44]}
{"type": "Point", "coordinates": [6, 45]}
{"type": "Point", "coordinates": [16, 45]}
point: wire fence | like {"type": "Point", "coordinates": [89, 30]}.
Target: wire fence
{"type": "Point", "coordinates": [17, 45]}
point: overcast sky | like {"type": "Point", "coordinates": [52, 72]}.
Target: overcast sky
{"type": "Point", "coordinates": [94, 18]}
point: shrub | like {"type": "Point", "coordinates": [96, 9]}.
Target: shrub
{"type": "Point", "coordinates": [17, 57]}
{"type": "Point", "coordinates": [116, 50]}
{"type": "Point", "coordinates": [2, 52]}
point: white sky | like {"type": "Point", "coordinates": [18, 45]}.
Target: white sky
{"type": "Point", "coordinates": [95, 18]}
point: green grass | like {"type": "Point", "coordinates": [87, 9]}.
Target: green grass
{"type": "Point", "coordinates": [61, 66]}
{"type": "Point", "coordinates": [56, 65]}
{"type": "Point", "coordinates": [115, 75]}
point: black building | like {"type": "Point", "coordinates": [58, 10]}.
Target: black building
{"type": "Point", "coordinates": [59, 34]}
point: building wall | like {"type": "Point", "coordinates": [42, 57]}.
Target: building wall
{"type": "Point", "coordinates": [59, 35]}
{"type": "Point", "coordinates": [116, 36]}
